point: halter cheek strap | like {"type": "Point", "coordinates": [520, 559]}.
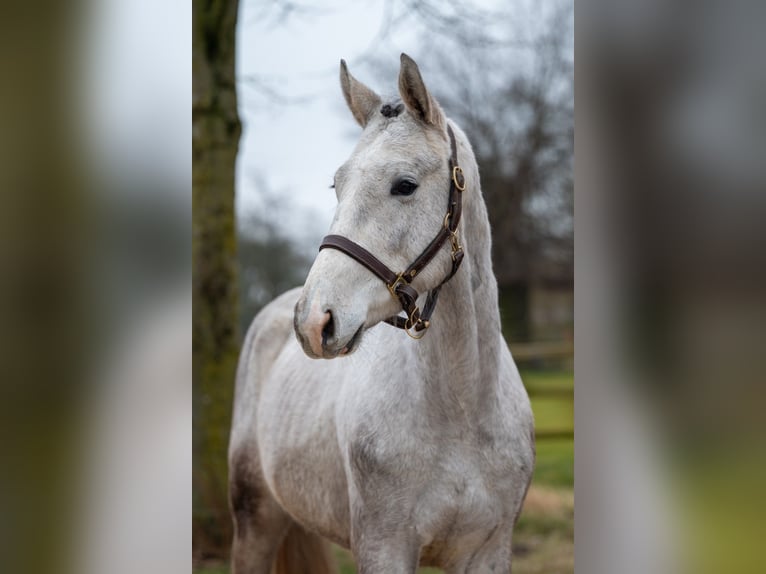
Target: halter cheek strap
{"type": "Point", "coordinates": [399, 284]}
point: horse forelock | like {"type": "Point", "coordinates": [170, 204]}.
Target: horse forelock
{"type": "Point", "coordinates": [392, 109]}
{"type": "Point", "coordinates": [396, 123]}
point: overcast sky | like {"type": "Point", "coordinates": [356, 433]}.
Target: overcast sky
{"type": "Point", "coordinates": [293, 141]}
{"type": "Point", "coordinates": [296, 147]}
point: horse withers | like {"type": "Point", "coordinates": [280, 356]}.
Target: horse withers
{"type": "Point", "coordinates": [413, 446]}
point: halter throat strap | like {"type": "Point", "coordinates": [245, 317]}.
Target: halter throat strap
{"type": "Point", "coordinates": [399, 284]}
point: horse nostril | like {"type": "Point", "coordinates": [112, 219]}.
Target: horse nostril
{"type": "Point", "coordinates": [328, 330]}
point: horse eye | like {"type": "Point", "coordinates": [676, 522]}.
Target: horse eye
{"type": "Point", "coordinates": [404, 187]}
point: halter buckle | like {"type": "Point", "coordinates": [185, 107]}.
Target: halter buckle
{"type": "Point", "coordinates": [392, 287]}
{"type": "Point", "coordinates": [456, 247]}
{"type": "Point", "coordinates": [453, 237]}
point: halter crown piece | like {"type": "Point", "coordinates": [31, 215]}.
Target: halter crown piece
{"type": "Point", "coordinates": [416, 321]}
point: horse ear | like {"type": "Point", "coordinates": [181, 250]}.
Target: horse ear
{"type": "Point", "coordinates": [415, 96]}
{"type": "Point", "coordinates": [361, 100]}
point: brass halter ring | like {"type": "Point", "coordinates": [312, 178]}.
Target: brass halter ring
{"type": "Point", "coordinates": [409, 325]}
{"type": "Point", "coordinates": [458, 178]}
{"type": "Point", "coordinates": [446, 222]}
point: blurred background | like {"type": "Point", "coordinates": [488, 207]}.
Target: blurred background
{"type": "Point", "coordinates": [504, 71]}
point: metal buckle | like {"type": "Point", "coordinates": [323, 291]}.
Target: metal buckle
{"type": "Point", "coordinates": [453, 237]}
{"type": "Point", "coordinates": [459, 183]}
{"type": "Point", "coordinates": [456, 247]}
{"type": "Point", "coordinates": [392, 288]}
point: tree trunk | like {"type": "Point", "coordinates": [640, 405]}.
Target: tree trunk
{"type": "Point", "coordinates": [215, 338]}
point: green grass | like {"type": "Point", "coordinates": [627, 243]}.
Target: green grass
{"type": "Point", "coordinates": [544, 535]}
{"type": "Point", "coordinates": [551, 397]}
{"type": "Point", "coordinates": [555, 463]}
{"type": "Point", "coordinates": [552, 413]}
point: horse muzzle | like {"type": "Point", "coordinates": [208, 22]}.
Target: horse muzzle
{"type": "Point", "coordinates": [319, 330]}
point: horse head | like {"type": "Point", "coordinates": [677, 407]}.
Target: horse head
{"type": "Point", "coordinates": [392, 195]}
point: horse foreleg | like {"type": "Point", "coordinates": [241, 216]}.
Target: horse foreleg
{"type": "Point", "coordinates": [494, 557]}
{"type": "Point", "coordinates": [380, 551]}
{"type": "Point", "coordinates": [259, 523]}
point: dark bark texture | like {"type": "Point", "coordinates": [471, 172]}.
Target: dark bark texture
{"type": "Point", "coordinates": [215, 336]}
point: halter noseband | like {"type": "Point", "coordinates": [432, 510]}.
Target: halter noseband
{"type": "Point", "coordinates": [398, 284]}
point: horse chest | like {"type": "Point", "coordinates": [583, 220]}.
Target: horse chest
{"type": "Point", "coordinates": [450, 489]}
{"type": "Point", "coordinates": [461, 494]}
{"type": "Point", "coordinates": [458, 512]}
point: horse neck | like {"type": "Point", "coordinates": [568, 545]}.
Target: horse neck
{"type": "Point", "coordinates": [460, 351]}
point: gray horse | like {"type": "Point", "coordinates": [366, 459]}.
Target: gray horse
{"type": "Point", "coordinates": [406, 451]}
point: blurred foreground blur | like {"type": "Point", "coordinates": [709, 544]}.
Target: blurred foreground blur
{"type": "Point", "coordinates": [670, 275]}
{"type": "Point", "coordinates": [94, 298]}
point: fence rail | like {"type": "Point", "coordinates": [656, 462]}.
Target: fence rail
{"type": "Point", "coordinates": [542, 350]}
{"type": "Point", "coordinates": [554, 434]}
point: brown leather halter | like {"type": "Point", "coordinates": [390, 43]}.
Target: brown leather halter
{"type": "Point", "coordinates": [398, 284]}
